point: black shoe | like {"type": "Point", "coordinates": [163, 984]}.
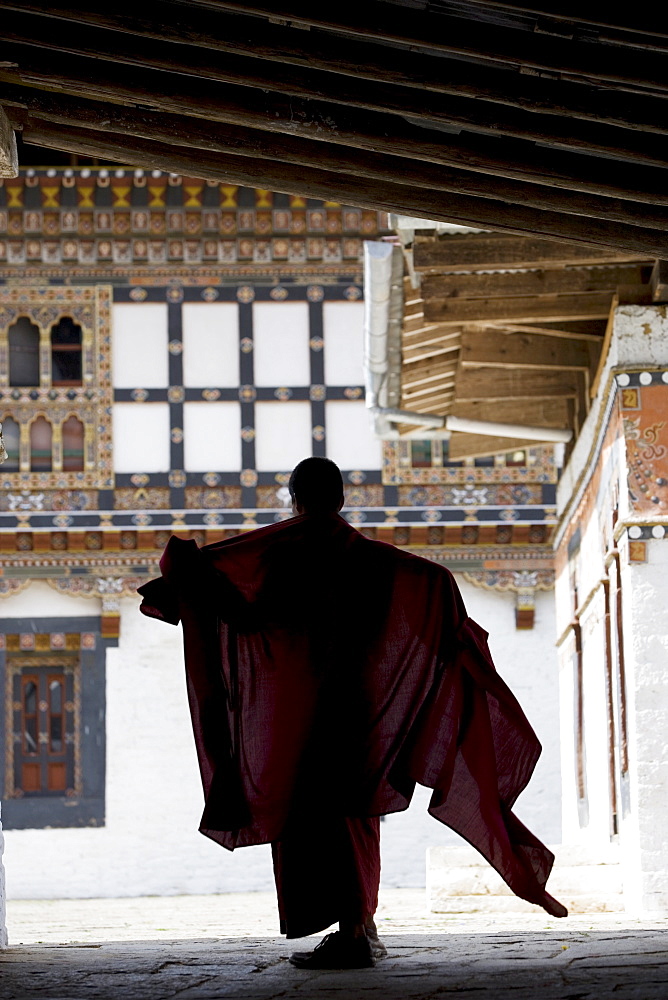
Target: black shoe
{"type": "Point", "coordinates": [336, 952]}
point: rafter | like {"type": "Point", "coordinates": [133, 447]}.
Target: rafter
{"type": "Point", "coordinates": [355, 191]}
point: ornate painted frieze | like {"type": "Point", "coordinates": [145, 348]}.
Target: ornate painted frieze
{"type": "Point", "coordinates": [127, 223]}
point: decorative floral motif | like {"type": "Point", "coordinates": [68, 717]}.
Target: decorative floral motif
{"type": "Point", "coordinates": [248, 477]}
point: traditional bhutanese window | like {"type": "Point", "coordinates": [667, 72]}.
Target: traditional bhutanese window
{"type": "Point", "coordinates": [23, 353]}
{"type": "Point", "coordinates": [41, 437]}
{"type": "Point", "coordinates": [66, 352]}
{"type": "Point", "coordinates": [514, 458]}
{"type": "Point", "coordinates": [73, 445]}
{"type": "Point", "coordinates": [11, 436]}
{"type": "Point", "coordinates": [44, 726]}
{"type": "Point", "coordinates": [421, 454]}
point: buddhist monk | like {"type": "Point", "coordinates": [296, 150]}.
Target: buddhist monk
{"type": "Point", "coordinates": [327, 675]}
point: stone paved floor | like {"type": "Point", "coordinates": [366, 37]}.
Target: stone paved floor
{"type": "Point", "coordinates": [205, 947]}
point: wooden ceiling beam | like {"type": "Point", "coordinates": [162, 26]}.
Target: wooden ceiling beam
{"type": "Point", "coordinates": [563, 182]}
{"type": "Point", "coordinates": [521, 309]}
{"type": "Point", "coordinates": [214, 29]}
{"type": "Point", "coordinates": [581, 186]}
{"type": "Point", "coordinates": [540, 282]}
{"type": "Point", "coordinates": [342, 187]}
{"type": "Point", "coordinates": [501, 383]}
{"type": "Point", "coordinates": [627, 67]}
{"type": "Point", "coordinates": [616, 17]}
{"type": "Point", "coordinates": [518, 350]}
{"type": "Point", "coordinates": [496, 252]}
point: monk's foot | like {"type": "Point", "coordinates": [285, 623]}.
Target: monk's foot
{"type": "Point", "coordinates": [378, 949]}
{"type": "Point", "coordinates": [336, 951]}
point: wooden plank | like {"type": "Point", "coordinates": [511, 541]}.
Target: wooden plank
{"type": "Point", "coordinates": [490, 252]}
{"type": "Point", "coordinates": [416, 354]}
{"type": "Point", "coordinates": [659, 281]}
{"type": "Point", "coordinates": [542, 282]}
{"type": "Point", "coordinates": [519, 350]}
{"type": "Point", "coordinates": [521, 309]}
{"type": "Point", "coordinates": [341, 187]}
{"type": "Point", "coordinates": [424, 374]}
{"type": "Point", "coordinates": [438, 402]}
{"type": "Point", "coordinates": [502, 383]}
{"type": "Point", "coordinates": [605, 347]}
{"type": "Point", "coordinates": [568, 331]}
{"type": "Point", "coordinates": [477, 445]}
{"type": "Point", "coordinates": [534, 412]}
{"type": "Point", "coordinates": [528, 97]}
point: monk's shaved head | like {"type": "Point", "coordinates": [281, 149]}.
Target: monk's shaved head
{"type": "Point", "coordinates": [316, 486]}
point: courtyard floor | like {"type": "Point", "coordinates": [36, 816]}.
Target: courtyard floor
{"type": "Point", "coordinates": [201, 947]}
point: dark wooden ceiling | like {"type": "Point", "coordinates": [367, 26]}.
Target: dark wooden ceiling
{"type": "Point", "coordinates": [545, 119]}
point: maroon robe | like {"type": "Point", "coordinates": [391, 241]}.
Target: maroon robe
{"type": "Point", "coordinates": [327, 674]}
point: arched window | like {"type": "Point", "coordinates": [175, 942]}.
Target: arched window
{"type": "Point", "coordinates": [73, 445]}
{"type": "Point", "coordinates": [23, 352]}
{"type": "Point", "coordinates": [66, 352]}
{"type": "Point", "coordinates": [10, 435]}
{"type": "Point", "coordinates": [40, 445]}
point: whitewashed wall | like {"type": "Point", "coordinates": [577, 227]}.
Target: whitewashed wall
{"type": "Point", "coordinates": [150, 844]}
{"type": "Point", "coordinates": [640, 337]}
{"type": "Point", "coordinates": [3, 895]}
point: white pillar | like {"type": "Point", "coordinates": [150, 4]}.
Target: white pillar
{"type": "Point", "coordinates": [3, 925]}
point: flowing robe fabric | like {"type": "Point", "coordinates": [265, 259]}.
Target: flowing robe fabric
{"type": "Point", "coordinates": [327, 671]}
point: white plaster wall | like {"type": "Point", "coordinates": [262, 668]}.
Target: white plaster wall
{"type": "Point", "coordinates": [141, 437]}
{"type": "Point", "coordinates": [150, 844]}
{"type": "Point", "coordinates": [351, 442]}
{"type": "Point", "coordinates": [283, 435]}
{"type": "Point", "coordinates": [281, 338]}
{"type": "Point", "coordinates": [343, 327]}
{"type": "Point", "coordinates": [3, 897]}
{"type": "Point", "coordinates": [42, 601]}
{"type": "Point", "coordinates": [644, 840]}
{"type": "Point", "coordinates": [212, 437]}
{"type": "Point", "coordinates": [139, 345]}
{"type": "Point", "coordinates": [210, 344]}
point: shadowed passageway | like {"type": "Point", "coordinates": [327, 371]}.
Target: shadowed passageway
{"type": "Point", "coordinates": [504, 956]}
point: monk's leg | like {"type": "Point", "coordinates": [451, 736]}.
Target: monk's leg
{"type": "Point", "coordinates": [327, 871]}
